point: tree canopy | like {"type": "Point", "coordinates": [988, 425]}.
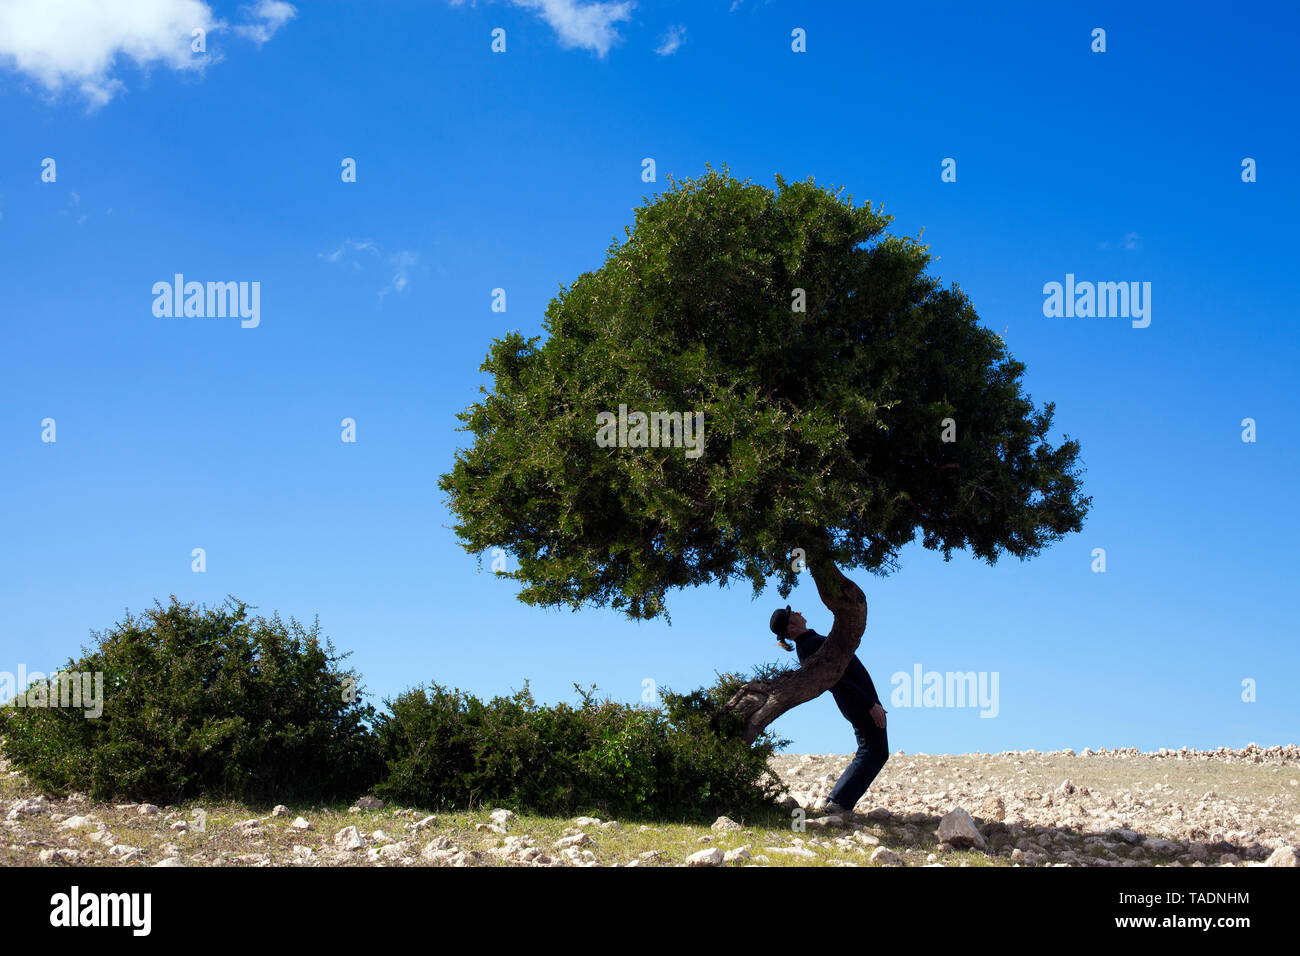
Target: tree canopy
{"type": "Point", "coordinates": [829, 368]}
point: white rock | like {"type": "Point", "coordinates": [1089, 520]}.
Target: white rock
{"type": "Point", "coordinates": [586, 821]}
{"type": "Point", "coordinates": [1284, 856]}
{"type": "Point", "coordinates": [885, 856]}
{"type": "Point", "coordinates": [501, 817]}
{"type": "Point", "coordinates": [147, 810]}
{"type": "Point", "coordinates": [280, 810]}
{"type": "Point", "coordinates": [349, 838]}
{"type": "Point", "coordinates": [171, 861]}
{"type": "Point", "coordinates": [77, 823]}
{"type": "Point", "coordinates": [710, 857]}
{"type": "Point", "coordinates": [798, 851]}
{"type": "Point", "coordinates": [27, 808]}
{"type": "Point", "coordinates": [301, 823]}
{"type": "Point", "coordinates": [576, 840]}
{"type": "Point", "coordinates": [958, 829]}
{"type": "Point", "coordinates": [369, 803]}
{"type": "Point", "coordinates": [725, 823]}
{"type": "Point", "coordinates": [421, 824]}
{"type": "Point", "coordinates": [739, 853]}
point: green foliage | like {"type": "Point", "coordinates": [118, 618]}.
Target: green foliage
{"type": "Point", "coordinates": [203, 702]}
{"type": "Point", "coordinates": [685, 760]}
{"type": "Point", "coordinates": [823, 428]}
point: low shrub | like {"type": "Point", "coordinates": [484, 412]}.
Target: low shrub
{"type": "Point", "coordinates": [201, 702]}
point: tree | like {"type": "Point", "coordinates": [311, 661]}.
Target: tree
{"type": "Point", "coordinates": [850, 403]}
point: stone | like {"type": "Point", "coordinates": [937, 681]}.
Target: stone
{"type": "Point", "coordinates": [301, 823]}
{"type": "Point", "coordinates": [349, 838]}
{"type": "Point", "coordinates": [421, 824]}
{"type": "Point", "coordinates": [740, 853]}
{"type": "Point", "coordinates": [501, 817]}
{"type": "Point", "coordinates": [958, 829]}
{"type": "Point", "coordinates": [586, 821]}
{"type": "Point", "coordinates": [725, 823]}
{"type": "Point", "coordinates": [280, 810]}
{"type": "Point", "coordinates": [147, 810]}
{"type": "Point", "coordinates": [369, 803]}
{"type": "Point", "coordinates": [1157, 845]}
{"type": "Point", "coordinates": [27, 808]}
{"type": "Point", "coordinates": [576, 840]}
{"type": "Point", "coordinates": [1283, 856]}
{"type": "Point", "coordinates": [710, 857]}
{"type": "Point", "coordinates": [884, 856]}
{"type": "Point", "coordinates": [77, 823]}
{"type": "Point", "coordinates": [798, 851]}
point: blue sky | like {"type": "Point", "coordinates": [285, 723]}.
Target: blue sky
{"type": "Point", "coordinates": [478, 170]}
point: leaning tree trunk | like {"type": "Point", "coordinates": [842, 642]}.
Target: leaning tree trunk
{"type": "Point", "coordinates": [762, 702]}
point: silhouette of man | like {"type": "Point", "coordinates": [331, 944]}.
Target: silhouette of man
{"type": "Point", "coordinates": [856, 697]}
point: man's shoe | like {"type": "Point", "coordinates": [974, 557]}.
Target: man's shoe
{"type": "Point", "coordinates": [833, 809]}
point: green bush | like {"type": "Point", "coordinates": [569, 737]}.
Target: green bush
{"type": "Point", "coordinates": [687, 760]}
{"type": "Point", "coordinates": [212, 703]}
{"type": "Point", "coordinates": [202, 702]}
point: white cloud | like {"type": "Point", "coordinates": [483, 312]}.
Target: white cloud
{"type": "Point", "coordinates": [79, 44]}
{"type": "Point", "coordinates": [350, 245]}
{"type": "Point", "coordinates": [400, 262]}
{"type": "Point", "coordinates": [1131, 242]}
{"type": "Point", "coordinates": [671, 40]}
{"type": "Point", "coordinates": [273, 14]}
{"type": "Point", "coordinates": [586, 26]}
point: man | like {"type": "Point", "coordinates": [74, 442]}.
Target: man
{"type": "Point", "coordinates": [856, 697]}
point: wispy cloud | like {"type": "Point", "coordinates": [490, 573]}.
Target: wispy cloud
{"type": "Point", "coordinates": [400, 261]}
{"type": "Point", "coordinates": [343, 252]}
{"type": "Point", "coordinates": [1130, 242]}
{"type": "Point", "coordinates": [268, 16]}
{"type": "Point", "coordinates": [577, 25]}
{"type": "Point", "coordinates": [671, 40]}
{"type": "Point", "coordinates": [352, 252]}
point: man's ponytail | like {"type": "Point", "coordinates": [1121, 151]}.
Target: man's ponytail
{"type": "Point", "coordinates": [785, 643]}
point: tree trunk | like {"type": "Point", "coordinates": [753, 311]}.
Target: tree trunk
{"type": "Point", "coordinates": [762, 702]}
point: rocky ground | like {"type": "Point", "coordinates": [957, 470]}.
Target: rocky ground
{"type": "Point", "coordinates": [1097, 808]}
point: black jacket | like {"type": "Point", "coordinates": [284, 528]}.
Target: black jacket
{"type": "Point", "coordinates": [855, 695]}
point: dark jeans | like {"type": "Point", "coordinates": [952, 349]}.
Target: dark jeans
{"type": "Point", "coordinates": [873, 751]}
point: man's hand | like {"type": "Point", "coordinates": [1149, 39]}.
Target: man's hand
{"type": "Point", "coordinates": [878, 715]}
